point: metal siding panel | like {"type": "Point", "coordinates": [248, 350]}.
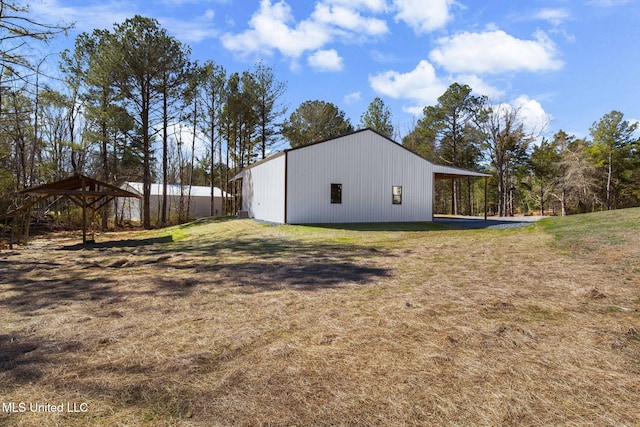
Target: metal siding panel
{"type": "Point", "coordinates": [367, 165]}
{"type": "Point", "coordinates": [263, 190]}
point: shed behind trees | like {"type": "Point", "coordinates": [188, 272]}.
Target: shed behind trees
{"type": "Point", "coordinates": [197, 199]}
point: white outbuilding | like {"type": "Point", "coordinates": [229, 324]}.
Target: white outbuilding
{"type": "Point", "coordinates": [357, 178]}
{"type": "Point", "coordinates": [196, 198]}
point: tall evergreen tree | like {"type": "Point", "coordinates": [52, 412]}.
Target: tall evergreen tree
{"type": "Point", "coordinates": [140, 45]}
{"type": "Point", "coordinates": [575, 181]}
{"type": "Point", "coordinates": [209, 85]}
{"type": "Point", "coordinates": [612, 150]}
{"type": "Point", "coordinates": [173, 85]}
{"type": "Point", "coordinates": [267, 93]}
{"type": "Point", "coordinates": [453, 126]}
{"type": "Point", "coordinates": [422, 141]}
{"type": "Point", "coordinates": [543, 164]}
{"type": "Point", "coordinates": [89, 76]}
{"type": "Point", "coordinates": [378, 117]}
{"type": "Point", "coordinates": [315, 121]}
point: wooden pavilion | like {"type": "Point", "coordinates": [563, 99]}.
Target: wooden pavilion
{"type": "Point", "coordinates": [88, 193]}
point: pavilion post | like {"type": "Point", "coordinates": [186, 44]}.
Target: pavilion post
{"type": "Point", "coordinates": [84, 214]}
{"type": "Point", "coordinates": [27, 224]}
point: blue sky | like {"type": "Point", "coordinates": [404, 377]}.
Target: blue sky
{"type": "Point", "coordinates": [564, 63]}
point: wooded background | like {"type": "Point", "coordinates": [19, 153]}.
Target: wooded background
{"type": "Point", "coordinates": [128, 104]}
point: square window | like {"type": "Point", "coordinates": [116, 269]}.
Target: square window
{"type": "Point", "coordinates": [336, 193]}
{"type": "Point", "coordinates": [396, 192]}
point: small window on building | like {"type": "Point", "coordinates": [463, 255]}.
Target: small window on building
{"type": "Point", "coordinates": [396, 195]}
{"type": "Point", "coordinates": [336, 193]}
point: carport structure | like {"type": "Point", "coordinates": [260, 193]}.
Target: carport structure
{"type": "Point", "coordinates": [88, 193]}
{"type": "Point", "coordinates": [440, 176]}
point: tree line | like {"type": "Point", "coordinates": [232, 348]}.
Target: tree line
{"type": "Point", "coordinates": [531, 173]}
{"type": "Point", "coordinates": [129, 104]}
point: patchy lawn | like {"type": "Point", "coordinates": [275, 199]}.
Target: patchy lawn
{"type": "Point", "coordinates": [240, 323]}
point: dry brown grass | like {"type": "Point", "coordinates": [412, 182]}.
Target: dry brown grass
{"type": "Point", "coordinates": [236, 323]}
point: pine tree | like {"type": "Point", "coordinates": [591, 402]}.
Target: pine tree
{"type": "Point", "coordinates": [315, 121]}
{"type": "Point", "coordinates": [378, 118]}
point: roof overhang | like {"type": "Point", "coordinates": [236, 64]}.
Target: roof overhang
{"type": "Point", "coordinates": [78, 185]}
{"type": "Point", "coordinates": [449, 172]}
{"type": "Point", "coordinates": [240, 174]}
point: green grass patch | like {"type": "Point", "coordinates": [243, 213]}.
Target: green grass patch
{"type": "Point", "coordinates": [594, 230]}
{"type": "Point", "coordinates": [539, 314]}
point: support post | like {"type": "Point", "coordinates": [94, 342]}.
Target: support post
{"type": "Point", "coordinates": [485, 197]}
{"type": "Point", "coordinates": [84, 214]}
{"type": "Point", "coordinates": [27, 225]}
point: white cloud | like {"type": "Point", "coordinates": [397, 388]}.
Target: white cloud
{"type": "Point", "coordinates": [479, 86]}
{"type": "Point", "coordinates": [86, 18]}
{"type": "Point", "coordinates": [353, 98]}
{"type": "Point", "coordinates": [269, 30]}
{"type": "Point", "coordinates": [535, 119]}
{"type": "Point", "coordinates": [273, 27]}
{"type": "Point", "coordinates": [421, 86]}
{"type": "Point", "coordinates": [608, 3]}
{"type": "Point", "coordinates": [377, 6]}
{"type": "Point", "coordinates": [424, 16]}
{"type": "Point", "coordinates": [383, 57]}
{"type": "Point", "coordinates": [191, 32]}
{"type": "Point", "coordinates": [106, 15]}
{"type": "Point", "coordinates": [555, 16]}
{"type": "Point", "coordinates": [326, 60]}
{"type": "Point", "coordinates": [495, 52]}
{"type": "Point", "coordinates": [530, 113]}
{"type": "Point", "coordinates": [348, 19]}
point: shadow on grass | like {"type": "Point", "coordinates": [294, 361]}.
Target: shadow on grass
{"type": "Point", "coordinates": [114, 244]}
{"type": "Point", "coordinates": [438, 224]}
{"type": "Point", "coordinates": [310, 276]}
{"type": "Point", "coordinates": [383, 226]}
{"type": "Point", "coordinates": [277, 263]}
{"type": "Point", "coordinates": [18, 360]}
{"type": "Point", "coordinates": [270, 247]}
{"type": "Point", "coordinates": [29, 288]}
{"type": "Point", "coordinates": [250, 263]}
{"type": "Point", "coordinates": [94, 283]}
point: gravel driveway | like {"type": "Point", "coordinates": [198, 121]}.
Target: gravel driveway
{"type": "Point", "coordinates": [480, 223]}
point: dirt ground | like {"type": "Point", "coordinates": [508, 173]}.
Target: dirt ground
{"type": "Point", "coordinates": [240, 323]}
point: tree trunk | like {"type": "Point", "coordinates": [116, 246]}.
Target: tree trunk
{"type": "Point", "coordinates": [541, 197]}
{"type": "Point", "coordinates": [500, 193]}
{"type": "Point", "coordinates": [609, 176]}
{"type": "Point", "coordinates": [455, 196]}
{"type": "Point", "coordinates": [146, 179]}
{"type": "Point", "coordinates": [165, 160]}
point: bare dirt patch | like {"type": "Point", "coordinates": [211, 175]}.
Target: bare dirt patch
{"type": "Point", "coordinates": [236, 323]}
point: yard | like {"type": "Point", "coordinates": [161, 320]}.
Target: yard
{"type": "Point", "coordinates": [240, 323]}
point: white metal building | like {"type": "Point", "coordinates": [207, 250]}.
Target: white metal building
{"type": "Point", "coordinates": [360, 177]}
{"type": "Point", "coordinates": [198, 198]}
